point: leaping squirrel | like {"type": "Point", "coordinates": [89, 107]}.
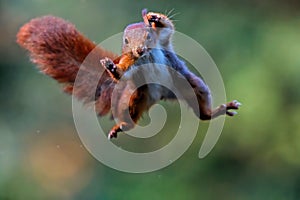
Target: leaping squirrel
{"type": "Point", "coordinates": [58, 50]}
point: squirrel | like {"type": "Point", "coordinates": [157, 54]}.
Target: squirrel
{"type": "Point", "coordinates": [161, 29]}
{"type": "Point", "coordinates": [58, 50]}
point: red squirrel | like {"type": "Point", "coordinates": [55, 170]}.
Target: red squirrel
{"type": "Point", "coordinates": [59, 49]}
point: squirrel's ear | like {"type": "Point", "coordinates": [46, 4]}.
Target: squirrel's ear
{"type": "Point", "coordinates": [144, 15]}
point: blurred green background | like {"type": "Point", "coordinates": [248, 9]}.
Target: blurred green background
{"type": "Point", "coordinates": [255, 44]}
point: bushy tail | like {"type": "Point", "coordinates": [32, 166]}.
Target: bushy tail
{"type": "Point", "coordinates": [59, 50]}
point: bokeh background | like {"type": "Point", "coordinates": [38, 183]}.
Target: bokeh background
{"type": "Point", "coordinates": [255, 44]}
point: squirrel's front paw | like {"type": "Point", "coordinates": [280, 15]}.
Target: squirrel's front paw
{"type": "Point", "coordinates": [111, 67]}
{"type": "Point", "coordinates": [156, 20]}
{"type": "Point", "coordinates": [108, 64]}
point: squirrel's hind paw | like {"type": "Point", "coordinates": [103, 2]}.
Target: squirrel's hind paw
{"type": "Point", "coordinates": [233, 105]}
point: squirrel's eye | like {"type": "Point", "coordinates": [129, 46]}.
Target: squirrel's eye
{"type": "Point", "coordinates": [126, 41]}
{"type": "Point", "coordinates": [148, 37]}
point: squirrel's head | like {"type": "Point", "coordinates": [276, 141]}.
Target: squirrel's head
{"type": "Point", "coordinates": [138, 39]}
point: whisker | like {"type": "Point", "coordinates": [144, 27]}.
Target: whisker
{"type": "Point", "coordinates": [165, 13]}
{"type": "Point", "coordinates": [175, 14]}
{"type": "Point", "coordinates": [170, 12]}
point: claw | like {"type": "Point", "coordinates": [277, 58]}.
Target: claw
{"type": "Point", "coordinates": [112, 134]}
{"type": "Point", "coordinates": [233, 105]}
{"type": "Point", "coordinates": [231, 113]}
{"type": "Point", "coordinates": [102, 61]}
{"type": "Point", "coordinates": [236, 103]}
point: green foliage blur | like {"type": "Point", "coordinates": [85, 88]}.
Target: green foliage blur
{"type": "Point", "coordinates": [255, 44]}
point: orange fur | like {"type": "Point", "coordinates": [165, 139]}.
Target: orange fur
{"type": "Point", "coordinates": [58, 50]}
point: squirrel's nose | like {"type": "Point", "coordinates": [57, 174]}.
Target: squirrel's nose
{"type": "Point", "coordinates": [140, 51]}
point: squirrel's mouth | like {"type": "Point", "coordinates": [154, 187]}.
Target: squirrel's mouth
{"type": "Point", "coordinates": [140, 51]}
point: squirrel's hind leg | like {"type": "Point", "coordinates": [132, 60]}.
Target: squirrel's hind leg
{"type": "Point", "coordinates": [225, 109]}
{"type": "Point", "coordinates": [129, 114]}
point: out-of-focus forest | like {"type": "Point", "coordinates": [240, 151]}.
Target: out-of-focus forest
{"type": "Point", "coordinates": [255, 44]}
